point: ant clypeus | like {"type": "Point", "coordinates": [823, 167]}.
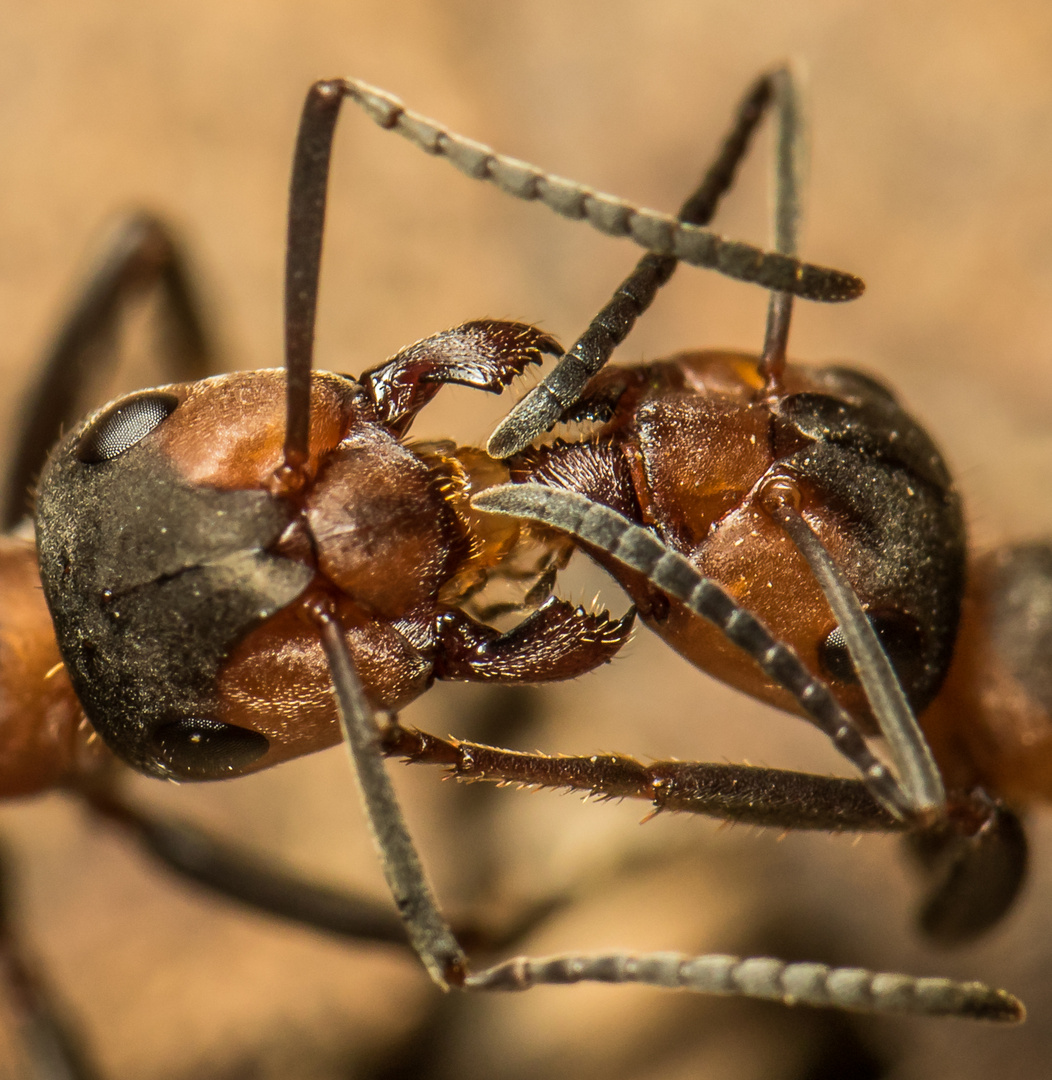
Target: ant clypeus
{"type": "Point", "coordinates": [217, 555]}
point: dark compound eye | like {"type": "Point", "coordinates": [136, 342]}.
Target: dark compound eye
{"type": "Point", "coordinates": [903, 641]}
{"type": "Point", "coordinates": [196, 748]}
{"type": "Point", "coordinates": [124, 425]}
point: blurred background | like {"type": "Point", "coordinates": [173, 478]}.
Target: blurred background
{"type": "Point", "coordinates": [931, 177]}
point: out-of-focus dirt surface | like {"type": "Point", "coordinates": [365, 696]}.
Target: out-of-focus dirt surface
{"type": "Point", "coordinates": [931, 177]}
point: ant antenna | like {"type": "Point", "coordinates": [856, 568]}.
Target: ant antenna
{"type": "Point", "coordinates": [668, 239]}
{"type": "Point", "coordinates": [790, 159]}
{"type": "Point", "coordinates": [898, 724]}
{"type": "Point", "coordinates": [429, 933]}
{"type": "Point", "coordinates": [758, 977]}
{"type": "Point", "coordinates": [307, 196]}
{"type": "Point", "coordinates": [639, 549]}
{"type": "Point", "coordinates": [657, 232]}
{"type": "Point", "coordinates": [544, 406]}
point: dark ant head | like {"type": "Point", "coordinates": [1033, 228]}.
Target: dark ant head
{"type": "Point", "coordinates": [159, 549]}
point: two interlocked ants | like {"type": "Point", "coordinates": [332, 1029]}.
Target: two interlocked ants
{"type": "Point", "coordinates": [240, 568]}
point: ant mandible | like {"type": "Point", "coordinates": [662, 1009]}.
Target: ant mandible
{"type": "Point", "coordinates": [219, 556]}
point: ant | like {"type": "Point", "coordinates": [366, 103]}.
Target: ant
{"type": "Point", "coordinates": [220, 556]}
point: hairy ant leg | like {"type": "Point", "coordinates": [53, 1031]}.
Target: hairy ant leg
{"type": "Point", "coordinates": [39, 1039]}
{"type": "Point", "coordinates": [744, 794]}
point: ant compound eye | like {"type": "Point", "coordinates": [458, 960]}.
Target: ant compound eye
{"type": "Point", "coordinates": [834, 657]}
{"type": "Point", "coordinates": [123, 426]}
{"type": "Point", "coordinates": [899, 634]}
{"type": "Point", "coordinates": [196, 748]}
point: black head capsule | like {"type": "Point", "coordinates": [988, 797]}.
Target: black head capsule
{"type": "Point", "coordinates": [153, 579]}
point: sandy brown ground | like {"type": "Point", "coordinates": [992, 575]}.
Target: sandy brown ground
{"type": "Point", "coordinates": [931, 177]}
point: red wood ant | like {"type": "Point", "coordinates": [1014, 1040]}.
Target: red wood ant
{"type": "Point", "coordinates": [217, 556]}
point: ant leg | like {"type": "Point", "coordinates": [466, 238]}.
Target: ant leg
{"type": "Point", "coordinates": [238, 875]}
{"type": "Point", "coordinates": [234, 873]}
{"type": "Point", "coordinates": [544, 406]}
{"type": "Point", "coordinates": [141, 255]}
{"type": "Point", "coordinates": [744, 794]}
{"type": "Point", "coordinates": [45, 1045]}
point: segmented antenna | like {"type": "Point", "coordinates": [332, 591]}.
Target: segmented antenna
{"type": "Point", "coordinates": [764, 977]}
{"type": "Point", "coordinates": [543, 406]}
{"type": "Point", "coordinates": [908, 748]}
{"type": "Point", "coordinates": [650, 229]}
{"type": "Point", "coordinates": [661, 234]}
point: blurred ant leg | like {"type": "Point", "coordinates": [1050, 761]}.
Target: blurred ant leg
{"type": "Point", "coordinates": [977, 873]}
{"type": "Point", "coordinates": [38, 1041]}
{"type": "Point", "coordinates": [236, 874]}
{"type": "Point", "coordinates": [770, 979]}
{"type": "Point", "coordinates": [639, 549]}
{"type": "Point", "coordinates": [789, 169]}
{"type": "Point", "coordinates": [544, 406]}
{"type": "Point", "coordinates": [140, 255]}
{"type": "Point", "coordinates": [744, 794]}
